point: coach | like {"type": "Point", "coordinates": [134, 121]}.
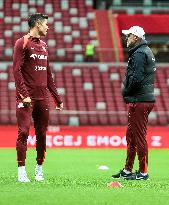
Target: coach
{"type": "Point", "coordinates": [138, 93]}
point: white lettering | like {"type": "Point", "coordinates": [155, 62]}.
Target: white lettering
{"type": "Point", "coordinates": [68, 140]}
{"type": "Point", "coordinates": [78, 142]}
{"type": "Point", "coordinates": [124, 142]}
{"type": "Point", "coordinates": [49, 141]}
{"type": "Point", "coordinates": [91, 140]}
{"type": "Point", "coordinates": [156, 141]}
{"type": "Point", "coordinates": [42, 57]}
{"type": "Point", "coordinates": [115, 141]}
{"type": "Point", "coordinates": [102, 140]}
{"type": "Point", "coordinates": [40, 68]}
{"type": "Point", "coordinates": [58, 140]}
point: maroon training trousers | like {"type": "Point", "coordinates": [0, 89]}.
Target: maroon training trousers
{"type": "Point", "coordinates": [40, 113]}
{"type": "Point", "coordinates": [136, 135]}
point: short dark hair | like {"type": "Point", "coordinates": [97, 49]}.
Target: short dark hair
{"type": "Point", "coordinates": [33, 18]}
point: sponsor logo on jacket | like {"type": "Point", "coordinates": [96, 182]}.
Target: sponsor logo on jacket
{"type": "Point", "coordinates": [40, 68]}
{"type": "Point", "coordinates": [42, 57]}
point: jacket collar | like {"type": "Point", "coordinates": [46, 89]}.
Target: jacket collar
{"type": "Point", "coordinates": [35, 39]}
{"type": "Point", "coordinates": [133, 49]}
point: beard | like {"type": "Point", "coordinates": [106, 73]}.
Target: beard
{"type": "Point", "coordinates": [130, 45]}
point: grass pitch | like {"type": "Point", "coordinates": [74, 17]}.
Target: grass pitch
{"type": "Point", "coordinates": [72, 177]}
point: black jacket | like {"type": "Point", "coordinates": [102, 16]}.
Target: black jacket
{"type": "Point", "coordinates": [138, 85]}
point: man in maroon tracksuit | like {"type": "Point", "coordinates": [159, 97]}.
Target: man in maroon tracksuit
{"type": "Point", "coordinates": [138, 93]}
{"type": "Point", "coordinates": [33, 79]}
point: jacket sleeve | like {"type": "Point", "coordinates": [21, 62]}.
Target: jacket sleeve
{"type": "Point", "coordinates": [18, 61]}
{"type": "Point", "coordinates": [52, 87]}
{"type": "Point", "coordinates": [134, 78]}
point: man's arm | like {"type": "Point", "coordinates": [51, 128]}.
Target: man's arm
{"type": "Point", "coordinates": [18, 60]}
{"type": "Point", "coordinates": [52, 88]}
{"type": "Point", "coordinates": [134, 80]}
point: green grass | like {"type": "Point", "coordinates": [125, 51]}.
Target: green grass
{"type": "Point", "coordinates": [72, 178]}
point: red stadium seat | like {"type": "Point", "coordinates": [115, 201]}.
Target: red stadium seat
{"type": "Point", "coordinates": [89, 90]}
{"type": "Point", "coordinates": [101, 93]}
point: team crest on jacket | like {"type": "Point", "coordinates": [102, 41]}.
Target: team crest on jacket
{"type": "Point", "coordinates": [44, 48]}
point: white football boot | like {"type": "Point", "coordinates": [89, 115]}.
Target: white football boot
{"type": "Point", "coordinates": [39, 173]}
{"type": "Point", "coordinates": [22, 176]}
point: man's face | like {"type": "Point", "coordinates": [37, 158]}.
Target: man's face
{"type": "Point", "coordinates": [43, 27]}
{"type": "Point", "coordinates": [131, 40]}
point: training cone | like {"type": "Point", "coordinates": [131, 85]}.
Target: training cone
{"type": "Point", "coordinates": [114, 184]}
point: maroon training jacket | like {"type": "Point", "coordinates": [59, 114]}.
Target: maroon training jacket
{"type": "Point", "coordinates": [31, 70]}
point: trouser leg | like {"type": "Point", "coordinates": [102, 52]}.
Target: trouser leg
{"type": "Point", "coordinates": [24, 120]}
{"type": "Point", "coordinates": [131, 142]}
{"type": "Point", "coordinates": [139, 127]}
{"type": "Point", "coordinates": [41, 118]}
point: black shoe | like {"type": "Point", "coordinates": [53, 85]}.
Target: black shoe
{"type": "Point", "coordinates": [121, 174]}
{"type": "Point", "coordinates": [137, 176]}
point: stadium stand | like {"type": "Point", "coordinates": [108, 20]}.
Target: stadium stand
{"type": "Point", "coordinates": [141, 6]}
{"type": "Point", "coordinates": [91, 95]}
{"type": "Point", "coordinates": [71, 23]}
{"type": "Point", "coordinates": [91, 92]}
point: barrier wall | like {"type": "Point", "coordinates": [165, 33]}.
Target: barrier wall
{"type": "Point", "coordinates": [85, 137]}
{"type": "Point", "coordinates": [152, 24]}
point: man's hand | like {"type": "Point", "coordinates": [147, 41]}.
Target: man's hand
{"type": "Point", "coordinates": [59, 107]}
{"type": "Point", "coordinates": [27, 102]}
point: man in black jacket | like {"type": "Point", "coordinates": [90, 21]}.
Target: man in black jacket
{"type": "Point", "coordinates": [138, 93]}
